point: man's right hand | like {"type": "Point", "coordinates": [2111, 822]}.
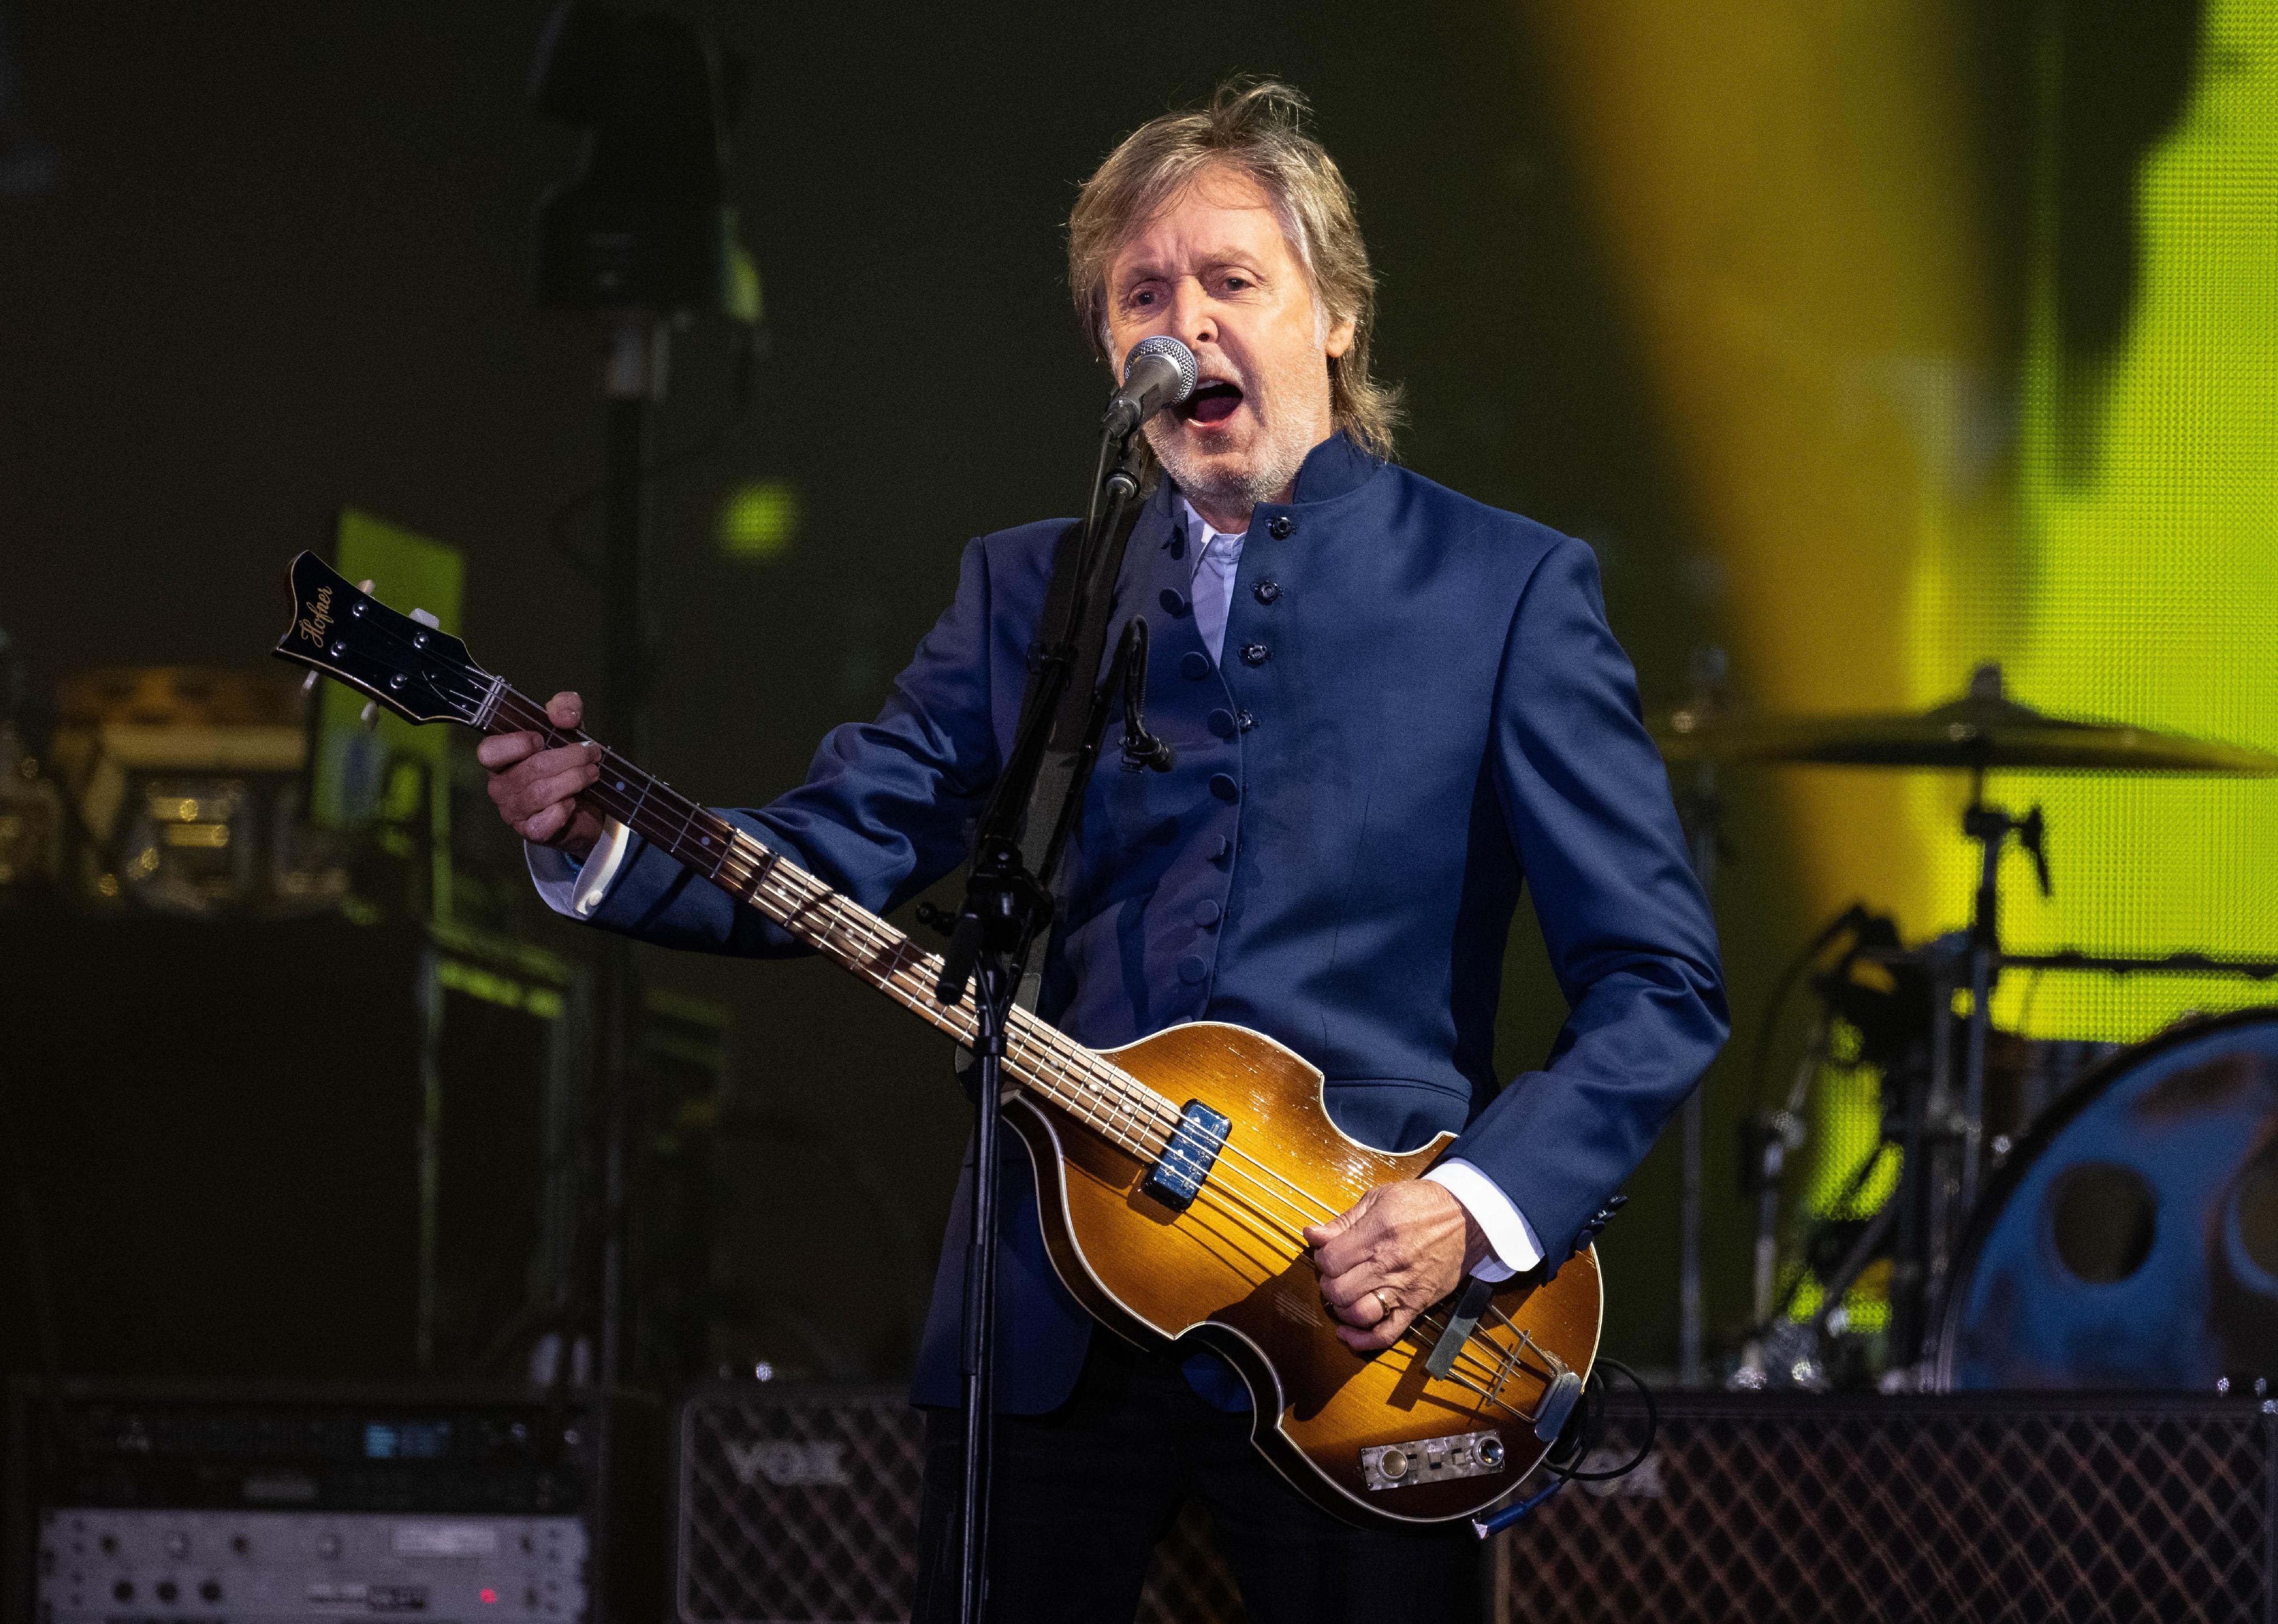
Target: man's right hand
{"type": "Point", "coordinates": [536, 788]}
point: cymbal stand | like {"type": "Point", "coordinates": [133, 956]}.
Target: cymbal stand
{"type": "Point", "coordinates": [1990, 827]}
{"type": "Point", "coordinates": [1943, 1146]}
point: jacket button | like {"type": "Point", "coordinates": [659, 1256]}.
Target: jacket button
{"type": "Point", "coordinates": [1221, 849]}
{"type": "Point", "coordinates": [1206, 913]}
{"type": "Point", "coordinates": [1253, 654]}
{"type": "Point", "coordinates": [1222, 785]}
{"type": "Point", "coordinates": [1193, 665]}
{"type": "Point", "coordinates": [1280, 526]}
{"type": "Point", "coordinates": [1222, 723]}
{"type": "Point", "coordinates": [1265, 591]}
{"type": "Point", "coordinates": [1173, 600]}
{"type": "Point", "coordinates": [1192, 970]}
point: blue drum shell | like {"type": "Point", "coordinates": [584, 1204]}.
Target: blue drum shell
{"type": "Point", "coordinates": [2132, 1241]}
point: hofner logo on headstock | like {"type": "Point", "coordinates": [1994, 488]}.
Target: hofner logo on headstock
{"type": "Point", "coordinates": [319, 617]}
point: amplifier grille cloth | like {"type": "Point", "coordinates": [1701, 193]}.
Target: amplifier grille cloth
{"type": "Point", "coordinates": [797, 1508]}
{"type": "Point", "coordinates": [1921, 1510]}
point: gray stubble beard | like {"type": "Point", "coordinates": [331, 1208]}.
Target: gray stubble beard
{"type": "Point", "coordinates": [1263, 483]}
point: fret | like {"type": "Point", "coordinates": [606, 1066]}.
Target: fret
{"type": "Point", "coordinates": [687, 823]}
{"type": "Point", "coordinates": [624, 772]}
{"type": "Point", "coordinates": [767, 855]}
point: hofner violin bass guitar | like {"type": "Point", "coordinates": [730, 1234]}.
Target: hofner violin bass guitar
{"type": "Point", "coordinates": [1174, 1174]}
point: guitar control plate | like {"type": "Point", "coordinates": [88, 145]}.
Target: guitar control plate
{"type": "Point", "coordinates": [1431, 1461]}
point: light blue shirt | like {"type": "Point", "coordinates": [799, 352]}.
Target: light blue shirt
{"type": "Point", "coordinates": [1217, 556]}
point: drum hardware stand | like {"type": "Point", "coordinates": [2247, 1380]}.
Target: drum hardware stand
{"type": "Point", "coordinates": [1778, 1350]}
{"type": "Point", "coordinates": [1943, 1138]}
{"type": "Point", "coordinates": [1774, 1138]}
{"type": "Point", "coordinates": [1990, 827]}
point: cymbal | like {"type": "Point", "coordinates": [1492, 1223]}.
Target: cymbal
{"type": "Point", "coordinates": [1984, 730]}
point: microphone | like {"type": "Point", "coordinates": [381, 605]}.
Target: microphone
{"type": "Point", "coordinates": [1159, 372]}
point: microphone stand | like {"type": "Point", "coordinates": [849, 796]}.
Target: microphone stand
{"type": "Point", "coordinates": [1006, 908]}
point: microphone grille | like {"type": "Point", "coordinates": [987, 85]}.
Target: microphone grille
{"type": "Point", "coordinates": [1177, 354]}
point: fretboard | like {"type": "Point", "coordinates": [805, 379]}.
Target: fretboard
{"type": "Point", "coordinates": [1038, 1056]}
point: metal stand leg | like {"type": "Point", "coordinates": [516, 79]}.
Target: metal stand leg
{"type": "Point", "coordinates": [990, 994]}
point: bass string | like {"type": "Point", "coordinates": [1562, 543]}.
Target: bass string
{"type": "Point", "coordinates": [1111, 1112]}
{"type": "Point", "coordinates": [1054, 1061]}
{"type": "Point", "coordinates": [911, 983]}
{"type": "Point", "coordinates": [1089, 1089]}
{"type": "Point", "coordinates": [864, 929]}
{"type": "Point", "coordinates": [1049, 1064]}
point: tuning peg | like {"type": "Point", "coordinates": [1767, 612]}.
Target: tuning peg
{"type": "Point", "coordinates": [308, 682]}
{"type": "Point", "coordinates": [430, 621]}
{"type": "Point", "coordinates": [365, 586]}
{"type": "Point", "coordinates": [369, 716]}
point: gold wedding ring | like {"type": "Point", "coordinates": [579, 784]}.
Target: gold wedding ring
{"type": "Point", "coordinates": [1384, 1302]}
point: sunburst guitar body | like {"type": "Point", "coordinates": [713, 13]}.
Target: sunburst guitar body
{"type": "Point", "coordinates": [1367, 1436]}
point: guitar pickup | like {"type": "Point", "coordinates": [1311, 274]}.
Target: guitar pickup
{"type": "Point", "coordinates": [1177, 1176]}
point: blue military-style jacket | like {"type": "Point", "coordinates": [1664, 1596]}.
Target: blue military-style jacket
{"type": "Point", "coordinates": [1420, 709]}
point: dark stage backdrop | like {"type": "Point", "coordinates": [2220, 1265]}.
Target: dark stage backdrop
{"type": "Point", "coordinates": [286, 267]}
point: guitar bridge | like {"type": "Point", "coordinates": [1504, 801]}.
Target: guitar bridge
{"type": "Point", "coordinates": [1177, 1176]}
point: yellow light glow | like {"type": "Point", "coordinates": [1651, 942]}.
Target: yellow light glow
{"type": "Point", "coordinates": [1787, 191]}
{"type": "Point", "coordinates": [1784, 190]}
{"type": "Point", "coordinates": [760, 520]}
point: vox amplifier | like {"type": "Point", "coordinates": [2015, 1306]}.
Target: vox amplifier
{"type": "Point", "coordinates": [800, 1503]}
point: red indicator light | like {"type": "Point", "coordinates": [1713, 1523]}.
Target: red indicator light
{"type": "Point", "coordinates": [489, 1595]}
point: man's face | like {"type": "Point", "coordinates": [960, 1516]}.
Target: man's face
{"type": "Point", "coordinates": [1215, 270]}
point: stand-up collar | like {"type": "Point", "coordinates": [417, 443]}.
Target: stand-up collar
{"type": "Point", "coordinates": [1334, 467]}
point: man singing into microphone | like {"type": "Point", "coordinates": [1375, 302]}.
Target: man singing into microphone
{"type": "Point", "coordinates": [1389, 706]}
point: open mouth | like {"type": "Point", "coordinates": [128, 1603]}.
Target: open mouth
{"type": "Point", "coordinates": [1212, 402]}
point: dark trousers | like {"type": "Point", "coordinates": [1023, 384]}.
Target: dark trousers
{"type": "Point", "coordinates": [1081, 1496]}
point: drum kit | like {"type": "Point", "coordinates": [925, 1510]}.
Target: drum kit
{"type": "Point", "coordinates": [2033, 1213]}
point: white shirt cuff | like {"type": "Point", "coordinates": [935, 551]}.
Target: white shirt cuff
{"type": "Point", "coordinates": [1511, 1237]}
{"type": "Point", "coordinates": [576, 889]}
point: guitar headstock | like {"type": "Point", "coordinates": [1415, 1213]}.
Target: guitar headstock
{"type": "Point", "coordinates": [421, 674]}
